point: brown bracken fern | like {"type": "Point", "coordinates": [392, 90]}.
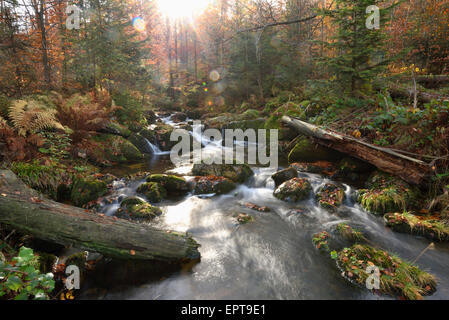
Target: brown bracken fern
{"type": "Point", "coordinates": [30, 117]}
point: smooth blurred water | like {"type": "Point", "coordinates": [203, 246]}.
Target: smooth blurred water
{"type": "Point", "coordinates": [272, 257]}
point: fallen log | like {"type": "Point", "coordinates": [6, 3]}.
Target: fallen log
{"type": "Point", "coordinates": [407, 168]}
{"type": "Point", "coordinates": [25, 210]}
{"type": "Point", "coordinates": [425, 97]}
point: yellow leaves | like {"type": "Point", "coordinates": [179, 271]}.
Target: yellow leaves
{"type": "Point", "coordinates": [357, 134]}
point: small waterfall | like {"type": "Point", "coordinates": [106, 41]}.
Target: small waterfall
{"type": "Point", "coordinates": [155, 149]}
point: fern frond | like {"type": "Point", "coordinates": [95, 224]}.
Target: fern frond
{"type": "Point", "coordinates": [31, 117]}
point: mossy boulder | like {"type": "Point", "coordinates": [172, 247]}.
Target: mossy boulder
{"type": "Point", "coordinates": [136, 209]}
{"type": "Point", "coordinates": [321, 241]}
{"type": "Point", "coordinates": [307, 151]}
{"type": "Point", "coordinates": [85, 190]}
{"type": "Point", "coordinates": [350, 234]}
{"type": "Point", "coordinates": [433, 229]}
{"type": "Point", "coordinates": [386, 193]}
{"type": "Point", "coordinates": [213, 184]}
{"type": "Point", "coordinates": [284, 175]}
{"type": "Point", "coordinates": [320, 167]}
{"type": "Point", "coordinates": [330, 196]}
{"type": "Point", "coordinates": [179, 117]}
{"type": "Point", "coordinates": [139, 142]}
{"type": "Point", "coordinates": [294, 190]}
{"type": "Point", "coordinates": [162, 135]}
{"type": "Point", "coordinates": [153, 191]}
{"type": "Point", "coordinates": [130, 152]}
{"type": "Point", "coordinates": [117, 129]}
{"type": "Point", "coordinates": [397, 277]}
{"type": "Point", "coordinates": [235, 172]}
{"type": "Point", "coordinates": [173, 184]}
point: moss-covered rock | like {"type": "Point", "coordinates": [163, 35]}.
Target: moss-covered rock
{"type": "Point", "coordinates": [139, 142]}
{"type": "Point", "coordinates": [235, 172]}
{"type": "Point", "coordinates": [284, 175]}
{"type": "Point", "coordinates": [153, 191]}
{"type": "Point", "coordinates": [319, 167]}
{"type": "Point", "coordinates": [294, 190]}
{"type": "Point", "coordinates": [173, 184]}
{"type": "Point", "coordinates": [350, 234]}
{"type": "Point", "coordinates": [46, 262]}
{"type": "Point", "coordinates": [397, 277]}
{"type": "Point", "coordinates": [330, 196]}
{"type": "Point", "coordinates": [162, 136]}
{"type": "Point", "coordinates": [117, 129]}
{"type": "Point", "coordinates": [435, 230]}
{"type": "Point", "coordinates": [321, 241]}
{"type": "Point", "coordinates": [136, 209]}
{"type": "Point", "coordinates": [306, 151]}
{"type": "Point", "coordinates": [213, 184]}
{"type": "Point", "coordinates": [130, 151]}
{"type": "Point", "coordinates": [386, 193]}
{"type": "Point", "coordinates": [85, 190]}
{"type": "Point", "coordinates": [179, 117]}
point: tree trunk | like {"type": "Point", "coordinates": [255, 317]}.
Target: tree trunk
{"type": "Point", "coordinates": [425, 97]}
{"type": "Point", "coordinates": [409, 169]}
{"type": "Point", "coordinates": [23, 209]}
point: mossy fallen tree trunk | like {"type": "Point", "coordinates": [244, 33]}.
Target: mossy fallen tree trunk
{"type": "Point", "coordinates": [412, 170]}
{"type": "Point", "coordinates": [25, 210]}
{"type": "Point", "coordinates": [425, 97]}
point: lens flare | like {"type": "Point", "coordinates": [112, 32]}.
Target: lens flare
{"type": "Point", "coordinates": [139, 24]}
{"type": "Point", "coordinates": [214, 75]}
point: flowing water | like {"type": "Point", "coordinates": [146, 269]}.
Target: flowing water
{"type": "Point", "coordinates": [272, 257]}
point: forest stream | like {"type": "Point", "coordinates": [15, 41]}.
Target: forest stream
{"type": "Point", "coordinates": [270, 258]}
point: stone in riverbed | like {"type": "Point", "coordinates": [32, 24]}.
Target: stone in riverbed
{"type": "Point", "coordinates": [330, 196]}
{"type": "Point", "coordinates": [294, 190]}
{"type": "Point", "coordinates": [397, 277]}
{"type": "Point", "coordinates": [173, 184]}
{"type": "Point", "coordinates": [84, 191]}
{"type": "Point", "coordinates": [213, 184]}
{"type": "Point", "coordinates": [179, 117]}
{"type": "Point", "coordinates": [432, 229]}
{"type": "Point", "coordinates": [386, 194]}
{"type": "Point", "coordinates": [153, 191]}
{"type": "Point", "coordinates": [319, 167]}
{"type": "Point", "coordinates": [235, 172]}
{"type": "Point", "coordinates": [284, 175]}
{"type": "Point", "coordinates": [134, 208]}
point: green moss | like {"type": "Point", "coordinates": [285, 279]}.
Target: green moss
{"type": "Point", "coordinates": [213, 184]}
{"type": "Point", "coordinates": [46, 262]}
{"type": "Point", "coordinates": [330, 196]}
{"type": "Point", "coordinates": [173, 184]}
{"type": "Point", "coordinates": [235, 172]}
{"type": "Point", "coordinates": [386, 194]}
{"type": "Point", "coordinates": [133, 209]}
{"type": "Point", "coordinates": [421, 226]}
{"type": "Point", "coordinates": [130, 201]}
{"type": "Point", "coordinates": [153, 191]}
{"type": "Point", "coordinates": [294, 190]}
{"type": "Point", "coordinates": [306, 151]}
{"type": "Point", "coordinates": [87, 190]}
{"type": "Point", "coordinates": [397, 277]}
{"type": "Point", "coordinates": [321, 240]}
{"type": "Point", "coordinates": [45, 179]}
{"type": "Point", "coordinates": [250, 114]}
{"type": "Point", "coordinates": [350, 234]}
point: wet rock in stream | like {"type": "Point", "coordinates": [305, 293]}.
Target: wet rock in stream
{"type": "Point", "coordinates": [213, 184]}
{"type": "Point", "coordinates": [284, 175]}
{"type": "Point", "coordinates": [294, 190]}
